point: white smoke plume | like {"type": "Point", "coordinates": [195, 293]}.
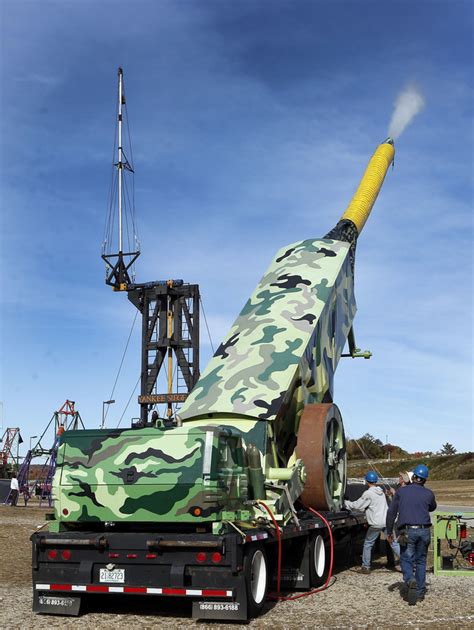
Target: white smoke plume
{"type": "Point", "coordinates": [408, 104]}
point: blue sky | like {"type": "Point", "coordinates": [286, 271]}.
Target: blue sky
{"type": "Point", "coordinates": [252, 123]}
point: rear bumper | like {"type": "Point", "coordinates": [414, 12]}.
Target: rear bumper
{"type": "Point", "coordinates": [134, 590]}
{"type": "Point", "coordinates": [68, 567]}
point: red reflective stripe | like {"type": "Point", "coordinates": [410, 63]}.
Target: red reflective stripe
{"type": "Point", "coordinates": [174, 591]}
{"type": "Point", "coordinates": [94, 588]}
{"type": "Point", "coordinates": [134, 589]}
{"type": "Point", "coordinates": [213, 593]}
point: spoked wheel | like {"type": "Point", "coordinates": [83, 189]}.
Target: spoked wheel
{"type": "Point", "coordinates": [319, 560]}
{"type": "Point", "coordinates": [322, 447]}
{"type": "Point", "coordinates": [256, 578]}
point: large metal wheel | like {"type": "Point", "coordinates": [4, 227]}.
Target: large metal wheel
{"type": "Point", "coordinates": [322, 447]}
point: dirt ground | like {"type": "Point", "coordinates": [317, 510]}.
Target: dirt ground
{"type": "Point", "coordinates": [459, 492]}
{"type": "Point", "coordinates": [353, 601]}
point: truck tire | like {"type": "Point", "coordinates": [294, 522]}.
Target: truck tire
{"type": "Point", "coordinates": [256, 579]}
{"type": "Point", "coordinates": [319, 555]}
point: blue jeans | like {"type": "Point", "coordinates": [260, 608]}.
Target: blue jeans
{"type": "Point", "coordinates": [371, 536]}
{"type": "Point", "coordinates": [413, 557]}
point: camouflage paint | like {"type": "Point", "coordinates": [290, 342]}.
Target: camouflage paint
{"type": "Point", "coordinates": [280, 354]}
{"type": "Point", "coordinates": [283, 349]}
{"type": "Point", "coordinates": [154, 475]}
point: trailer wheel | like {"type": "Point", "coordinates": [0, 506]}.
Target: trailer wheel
{"type": "Point", "coordinates": [256, 579]}
{"type": "Point", "coordinates": [319, 560]}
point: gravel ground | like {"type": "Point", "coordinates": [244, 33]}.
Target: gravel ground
{"type": "Point", "coordinates": [352, 601]}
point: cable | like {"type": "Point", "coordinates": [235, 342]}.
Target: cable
{"type": "Point", "coordinates": [108, 228]}
{"type": "Point", "coordinates": [331, 562]}
{"type": "Point", "coordinates": [207, 327]}
{"type": "Point", "coordinates": [382, 478]}
{"type": "Point", "coordinates": [128, 402]}
{"type": "Point", "coordinates": [279, 597]}
{"type": "Point", "coordinates": [121, 363]}
{"type": "Point", "coordinates": [278, 533]}
{"type": "Point", "coordinates": [132, 205]}
{"type": "Point", "coordinates": [331, 544]}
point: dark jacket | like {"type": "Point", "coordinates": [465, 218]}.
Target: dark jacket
{"type": "Point", "coordinates": [413, 504]}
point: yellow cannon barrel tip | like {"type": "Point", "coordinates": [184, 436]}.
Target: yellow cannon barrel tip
{"type": "Point", "coordinates": [361, 204]}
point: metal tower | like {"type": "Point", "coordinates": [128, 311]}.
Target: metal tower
{"type": "Point", "coordinates": [118, 264]}
{"type": "Point", "coordinates": [9, 453]}
{"type": "Point", "coordinates": [65, 419]}
{"type": "Point", "coordinates": [170, 332]}
{"type": "Point", "coordinates": [169, 308]}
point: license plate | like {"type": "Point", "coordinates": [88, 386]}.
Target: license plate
{"type": "Point", "coordinates": [116, 576]}
{"type": "Point", "coordinates": [46, 600]}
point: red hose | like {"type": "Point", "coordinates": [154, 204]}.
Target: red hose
{"type": "Point", "coordinates": [278, 533]}
{"type": "Point", "coordinates": [279, 597]}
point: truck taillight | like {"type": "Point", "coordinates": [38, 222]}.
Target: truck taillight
{"type": "Point", "coordinates": [52, 554]}
{"type": "Point", "coordinates": [66, 554]}
{"type": "Point", "coordinates": [201, 556]}
{"type": "Point", "coordinates": [216, 557]}
{"type": "Point", "coordinates": [132, 555]}
{"type": "Point", "coordinates": [114, 555]}
{"type": "Point", "coordinates": [150, 556]}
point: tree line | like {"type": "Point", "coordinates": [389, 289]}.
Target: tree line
{"type": "Point", "coordinates": [371, 447]}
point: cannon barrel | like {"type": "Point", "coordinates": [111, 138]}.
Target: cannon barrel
{"type": "Point", "coordinates": [261, 422]}
{"type": "Point", "coordinates": [364, 198]}
{"type": "Point", "coordinates": [357, 212]}
{"type": "Point", "coordinates": [283, 349]}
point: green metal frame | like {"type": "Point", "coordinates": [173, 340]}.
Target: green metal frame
{"type": "Point", "coordinates": [443, 531]}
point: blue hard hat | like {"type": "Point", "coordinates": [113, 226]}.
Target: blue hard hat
{"type": "Point", "coordinates": [421, 471]}
{"type": "Point", "coordinates": [371, 477]}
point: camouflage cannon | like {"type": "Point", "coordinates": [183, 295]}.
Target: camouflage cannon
{"type": "Point", "coordinates": [216, 507]}
{"type": "Point", "coordinates": [260, 423]}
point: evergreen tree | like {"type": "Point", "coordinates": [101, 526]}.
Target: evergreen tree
{"type": "Point", "coordinates": [447, 449]}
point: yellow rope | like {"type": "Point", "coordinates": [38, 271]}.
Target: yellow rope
{"type": "Point", "coordinates": [361, 204]}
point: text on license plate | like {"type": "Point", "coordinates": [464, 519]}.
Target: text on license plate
{"type": "Point", "coordinates": [115, 576]}
{"type": "Point", "coordinates": [66, 602]}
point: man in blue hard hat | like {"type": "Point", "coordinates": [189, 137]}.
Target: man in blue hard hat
{"type": "Point", "coordinates": [413, 504]}
{"type": "Point", "coordinates": [374, 502]}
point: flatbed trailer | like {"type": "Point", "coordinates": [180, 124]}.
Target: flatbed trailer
{"type": "Point", "coordinates": [228, 577]}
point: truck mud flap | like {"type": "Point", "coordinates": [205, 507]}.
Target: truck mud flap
{"type": "Point", "coordinates": [235, 610]}
{"type": "Point", "coordinates": [56, 603]}
{"type": "Point", "coordinates": [225, 611]}
{"type": "Point", "coordinates": [295, 569]}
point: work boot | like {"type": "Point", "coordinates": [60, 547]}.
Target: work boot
{"type": "Point", "coordinates": [412, 596]}
{"type": "Point", "coordinates": [365, 570]}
